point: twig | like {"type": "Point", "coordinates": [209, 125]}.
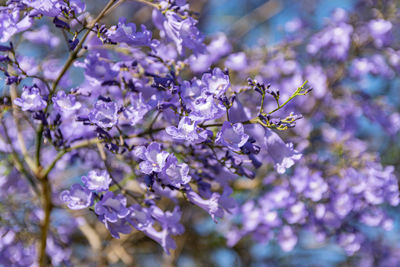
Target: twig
{"type": "Point", "coordinates": [114, 7]}
{"type": "Point", "coordinates": [67, 65]}
{"type": "Point", "coordinates": [296, 93]}
{"type": "Point", "coordinates": [103, 157]}
{"type": "Point", "coordinates": [47, 207]}
{"type": "Point", "coordinates": [18, 163]}
{"type": "Point", "coordinates": [27, 158]}
{"type": "Point", "coordinates": [46, 187]}
{"type": "Point", "coordinates": [91, 235]}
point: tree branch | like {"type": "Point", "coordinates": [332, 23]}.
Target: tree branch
{"type": "Point", "coordinates": [46, 187]}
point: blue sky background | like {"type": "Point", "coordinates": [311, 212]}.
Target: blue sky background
{"type": "Point", "coordinates": [221, 14]}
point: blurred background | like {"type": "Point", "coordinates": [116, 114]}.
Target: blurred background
{"type": "Point", "coordinates": [248, 22]}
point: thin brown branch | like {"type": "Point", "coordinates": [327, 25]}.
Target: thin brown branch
{"type": "Point", "coordinates": [67, 65]}
{"type": "Point", "coordinates": [254, 18]}
{"type": "Point", "coordinates": [46, 187]}
{"type": "Point", "coordinates": [16, 115]}
{"type": "Point", "coordinates": [47, 208]}
{"type": "Point", "coordinates": [29, 161]}
{"type": "Point", "coordinates": [18, 163]}
{"type": "Point", "coordinates": [103, 157]}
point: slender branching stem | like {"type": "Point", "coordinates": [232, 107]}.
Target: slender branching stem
{"type": "Point", "coordinates": [46, 186]}
{"type": "Point", "coordinates": [47, 208]}
{"type": "Point", "coordinates": [18, 163]}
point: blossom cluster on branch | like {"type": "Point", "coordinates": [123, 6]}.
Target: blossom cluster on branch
{"type": "Point", "coordinates": [135, 125]}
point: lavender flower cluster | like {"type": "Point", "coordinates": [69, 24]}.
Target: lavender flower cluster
{"type": "Point", "coordinates": [156, 120]}
{"type": "Point", "coordinates": [340, 185]}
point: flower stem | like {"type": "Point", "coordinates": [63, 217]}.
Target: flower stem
{"type": "Point", "coordinates": [71, 59]}
{"type": "Point", "coordinates": [46, 187]}
{"type": "Point", "coordinates": [47, 207]}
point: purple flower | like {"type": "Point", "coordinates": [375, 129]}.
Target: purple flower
{"type": "Point", "coordinates": [316, 187]}
{"type": "Point", "coordinates": [206, 108]}
{"type": "Point", "coordinates": [187, 130]}
{"type": "Point", "coordinates": [191, 90]}
{"type": "Point", "coordinates": [380, 31]}
{"type": "Point", "coordinates": [137, 110]}
{"type": "Point", "coordinates": [253, 216]}
{"type": "Point", "coordinates": [218, 47]}
{"type": "Point", "coordinates": [317, 80]}
{"type": "Point", "coordinates": [373, 217]}
{"type": "Point", "coordinates": [237, 62]}
{"type": "Point", "coordinates": [42, 36]}
{"type": "Point", "coordinates": [333, 41]}
{"type": "Point", "coordinates": [30, 99]}
{"type": "Point", "coordinates": [342, 204]}
{"type": "Point", "coordinates": [126, 33]}
{"type": "Point", "coordinates": [51, 69]}
{"type": "Point", "coordinates": [50, 8]}
{"type": "Point", "coordinates": [350, 242]}
{"type": "Point", "coordinates": [14, 252]}
{"type": "Point", "coordinates": [360, 67]}
{"type": "Point", "coordinates": [340, 15]}
{"type": "Point", "coordinates": [296, 213]}
{"type": "Point", "coordinates": [282, 154]}
{"type": "Point", "coordinates": [381, 185]}
{"type": "Point", "coordinates": [210, 205]}
{"type": "Point", "coordinates": [97, 181]}
{"type": "Point", "coordinates": [294, 25]}
{"type": "Point", "coordinates": [232, 136]}
{"type": "Point", "coordinates": [77, 6]}
{"type": "Point", "coordinates": [183, 32]}
{"type": "Point", "coordinates": [380, 67]}
{"type": "Point", "coordinates": [154, 159]}
{"type": "Point", "coordinates": [175, 173]}
{"type": "Point", "coordinates": [120, 226]}
{"type": "Point", "coordinates": [53, 8]}
{"type": "Point", "coordinates": [228, 203]}
{"type": "Point", "coordinates": [169, 220]}
{"type": "Point", "coordinates": [287, 239]}
{"type": "Point", "coordinates": [376, 65]}
{"type": "Point", "coordinates": [59, 253]}
{"type": "Point", "coordinates": [312, 185]}
{"type": "Point", "coordinates": [165, 191]}
{"type": "Point", "coordinates": [112, 207]}
{"type": "Point", "coordinates": [78, 197]}
{"type": "Point", "coordinates": [10, 23]}
{"type": "Point", "coordinates": [139, 217]}
{"type": "Point", "coordinates": [238, 112]}
{"type": "Point", "coordinates": [161, 237]}
{"type": "Point", "coordinates": [216, 82]}
{"type": "Point", "coordinates": [200, 63]}
{"type": "Point", "coordinates": [29, 65]}
{"type": "Point", "coordinates": [66, 103]}
{"type": "Point", "coordinates": [98, 71]}
{"type": "Point", "coordinates": [279, 197]}
{"type": "Point", "coordinates": [104, 114]}
{"type": "Point", "coordinates": [166, 51]}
